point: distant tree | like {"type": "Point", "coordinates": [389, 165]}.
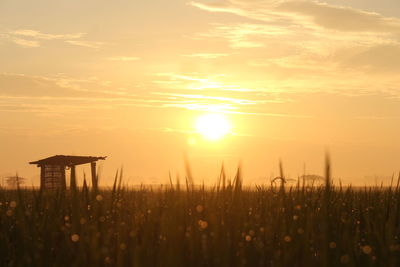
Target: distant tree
{"type": "Point", "coordinates": [15, 181]}
{"type": "Point", "coordinates": [312, 179]}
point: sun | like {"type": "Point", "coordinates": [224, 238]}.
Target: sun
{"type": "Point", "coordinates": [213, 126]}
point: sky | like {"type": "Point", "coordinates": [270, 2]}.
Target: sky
{"type": "Point", "coordinates": [132, 79]}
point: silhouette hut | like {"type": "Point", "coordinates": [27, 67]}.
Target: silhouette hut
{"type": "Point", "coordinates": [52, 170]}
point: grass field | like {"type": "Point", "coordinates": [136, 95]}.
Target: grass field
{"type": "Point", "coordinates": [183, 225]}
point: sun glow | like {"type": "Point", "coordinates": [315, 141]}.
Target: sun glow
{"type": "Point", "coordinates": [213, 126]}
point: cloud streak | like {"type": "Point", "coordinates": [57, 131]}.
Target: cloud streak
{"type": "Point", "coordinates": [88, 44]}
{"type": "Point", "coordinates": [25, 43]}
{"type": "Point", "coordinates": [308, 12]}
{"type": "Point", "coordinates": [341, 18]}
{"type": "Point", "coordinates": [45, 36]}
{"type": "Point", "coordinates": [32, 38]}
{"type": "Point", "coordinates": [123, 58]}
{"type": "Point", "coordinates": [206, 55]}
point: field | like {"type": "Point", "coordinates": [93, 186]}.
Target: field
{"type": "Point", "coordinates": [186, 225]}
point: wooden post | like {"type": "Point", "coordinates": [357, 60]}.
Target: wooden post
{"type": "Point", "coordinates": [73, 178]}
{"type": "Point", "coordinates": [42, 175]}
{"type": "Point", "coordinates": [63, 179]}
{"type": "Point", "coordinates": [94, 177]}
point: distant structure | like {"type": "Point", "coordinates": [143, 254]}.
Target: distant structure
{"type": "Point", "coordinates": [14, 181]}
{"type": "Point", "coordinates": [52, 170]}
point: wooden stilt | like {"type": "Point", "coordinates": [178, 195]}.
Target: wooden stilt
{"type": "Point", "coordinates": [94, 175]}
{"type": "Point", "coordinates": [42, 174]}
{"type": "Point", "coordinates": [63, 179]}
{"type": "Point", "coordinates": [73, 178]}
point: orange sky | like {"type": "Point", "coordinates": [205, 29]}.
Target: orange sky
{"type": "Point", "coordinates": [130, 79]}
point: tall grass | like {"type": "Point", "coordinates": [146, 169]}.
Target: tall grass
{"type": "Point", "coordinates": [223, 225]}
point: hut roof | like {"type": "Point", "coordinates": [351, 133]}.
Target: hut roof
{"type": "Point", "coordinates": [66, 160]}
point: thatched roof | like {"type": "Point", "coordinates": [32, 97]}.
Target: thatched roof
{"type": "Point", "coordinates": [66, 160]}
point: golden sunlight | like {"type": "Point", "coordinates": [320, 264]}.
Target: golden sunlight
{"type": "Point", "coordinates": [213, 126]}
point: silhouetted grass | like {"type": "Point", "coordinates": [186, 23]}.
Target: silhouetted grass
{"type": "Point", "coordinates": [225, 225]}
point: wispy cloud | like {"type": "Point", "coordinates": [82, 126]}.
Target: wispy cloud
{"type": "Point", "coordinates": [195, 81]}
{"type": "Point", "coordinates": [250, 35]}
{"type": "Point", "coordinates": [174, 130]}
{"type": "Point", "coordinates": [208, 98]}
{"type": "Point", "coordinates": [341, 18]}
{"type": "Point", "coordinates": [20, 85]}
{"type": "Point", "coordinates": [206, 55]}
{"type": "Point", "coordinates": [33, 38]}
{"type": "Point", "coordinates": [25, 43]}
{"type": "Point", "coordinates": [45, 36]}
{"type": "Point", "coordinates": [123, 58]}
{"type": "Point", "coordinates": [88, 44]}
{"type": "Point", "coordinates": [222, 6]}
{"type": "Point", "coordinates": [310, 45]}
{"type": "Point", "coordinates": [308, 13]}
